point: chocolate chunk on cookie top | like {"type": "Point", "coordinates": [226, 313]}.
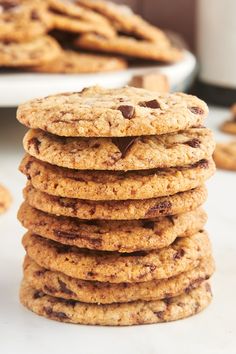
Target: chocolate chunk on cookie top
{"type": "Point", "coordinates": [98, 112]}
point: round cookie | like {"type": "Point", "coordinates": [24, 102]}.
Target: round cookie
{"type": "Point", "coordinates": [60, 285]}
{"type": "Point", "coordinates": [139, 312]}
{"type": "Point", "coordinates": [72, 62]}
{"type": "Point", "coordinates": [22, 21]}
{"type": "Point", "coordinates": [130, 47]}
{"type": "Point", "coordinates": [98, 112]}
{"type": "Point", "coordinates": [121, 236]}
{"type": "Point", "coordinates": [125, 21]}
{"type": "Point", "coordinates": [113, 267]}
{"type": "Point", "coordinates": [229, 127]}
{"type": "Point", "coordinates": [116, 210]}
{"type": "Point", "coordinates": [73, 9]}
{"type": "Point", "coordinates": [5, 199]}
{"type": "Point", "coordinates": [127, 153]}
{"type": "Point", "coordinates": [103, 185]}
{"type": "Point", "coordinates": [225, 155]}
{"type": "Point", "coordinates": [36, 52]}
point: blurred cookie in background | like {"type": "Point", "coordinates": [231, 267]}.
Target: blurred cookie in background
{"type": "Point", "coordinates": [72, 62]}
{"type": "Point", "coordinates": [229, 126]}
{"type": "Point", "coordinates": [5, 199]}
{"type": "Point", "coordinates": [225, 155]}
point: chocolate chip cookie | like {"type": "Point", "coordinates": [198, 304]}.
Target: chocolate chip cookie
{"type": "Point", "coordinates": [60, 285]}
{"type": "Point", "coordinates": [118, 209]}
{"type": "Point", "coordinates": [22, 21]}
{"type": "Point", "coordinates": [138, 312]}
{"type": "Point", "coordinates": [127, 153]}
{"type": "Point", "coordinates": [107, 185]}
{"type": "Point", "coordinates": [73, 62]}
{"type": "Point", "coordinates": [104, 235]}
{"type": "Point", "coordinates": [36, 52]}
{"type": "Point", "coordinates": [98, 112]}
{"type": "Point", "coordinates": [225, 155]}
{"type": "Point", "coordinates": [5, 199]}
{"type": "Point", "coordinates": [113, 267]}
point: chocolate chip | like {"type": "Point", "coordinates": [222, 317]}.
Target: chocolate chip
{"type": "Point", "coordinates": [67, 203]}
{"type": "Point", "coordinates": [36, 143]}
{"type": "Point", "coordinates": [201, 164]}
{"type": "Point", "coordinates": [208, 288]}
{"type": "Point", "coordinates": [167, 300]}
{"type": "Point", "coordinates": [127, 111]}
{"type": "Point", "coordinates": [179, 254]}
{"type": "Point", "coordinates": [196, 110]}
{"type": "Point", "coordinates": [9, 4]}
{"type": "Point", "coordinates": [91, 274]}
{"type": "Point", "coordinates": [49, 289]}
{"type": "Point", "coordinates": [124, 144]}
{"type": "Point", "coordinates": [171, 219]}
{"type": "Point", "coordinates": [95, 146]}
{"type": "Point", "coordinates": [194, 143]}
{"type": "Point", "coordinates": [194, 284]}
{"type": "Point", "coordinates": [160, 314]}
{"type": "Point", "coordinates": [65, 234]}
{"type": "Point", "coordinates": [148, 225]}
{"type": "Point", "coordinates": [150, 104]}
{"type": "Point", "coordinates": [40, 272]}
{"type": "Point", "coordinates": [59, 315]}
{"type": "Point", "coordinates": [38, 294]}
{"type": "Point", "coordinates": [34, 15]}
{"type": "Point", "coordinates": [160, 208]}
{"type": "Point", "coordinates": [64, 288]}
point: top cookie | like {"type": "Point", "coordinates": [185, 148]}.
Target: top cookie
{"type": "Point", "coordinates": [127, 111]}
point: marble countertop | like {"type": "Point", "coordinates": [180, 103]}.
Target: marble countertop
{"type": "Point", "coordinates": [211, 332]}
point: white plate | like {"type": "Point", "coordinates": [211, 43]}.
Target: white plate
{"type": "Point", "coordinates": [16, 88]}
{"type": "Point", "coordinates": [211, 332]}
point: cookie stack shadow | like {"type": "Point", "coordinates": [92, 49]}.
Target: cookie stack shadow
{"type": "Point", "coordinates": [113, 207]}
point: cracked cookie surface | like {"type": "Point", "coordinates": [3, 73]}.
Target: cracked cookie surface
{"type": "Point", "coordinates": [113, 267]}
{"type": "Point", "coordinates": [116, 209]}
{"type": "Point", "coordinates": [60, 285]}
{"type": "Point", "coordinates": [130, 153]}
{"type": "Point", "coordinates": [125, 314]}
{"type": "Point", "coordinates": [98, 112]}
{"type": "Point", "coordinates": [106, 185]}
{"type": "Point", "coordinates": [121, 236]}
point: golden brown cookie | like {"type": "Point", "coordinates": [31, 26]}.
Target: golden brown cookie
{"type": "Point", "coordinates": [5, 199]}
{"type": "Point", "coordinates": [98, 112]}
{"type": "Point", "coordinates": [22, 21]}
{"type": "Point", "coordinates": [71, 17]}
{"type": "Point", "coordinates": [113, 267]}
{"type": "Point", "coordinates": [225, 155]}
{"type": "Point", "coordinates": [130, 47]}
{"type": "Point", "coordinates": [73, 62]}
{"type": "Point", "coordinates": [104, 235]}
{"type": "Point", "coordinates": [36, 52]}
{"type": "Point", "coordinates": [229, 126]}
{"type": "Point", "coordinates": [125, 21]}
{"type": "Point", "coordinates": [106, 185]}
{"type": "Point", "coordinates": [60, 285]}
{"type": "Point", "coordinates": [126, 314]}
{"type": "Point", "coordinates": [127, 153]}
{"type": "Point", "coordinates": [116, 210]}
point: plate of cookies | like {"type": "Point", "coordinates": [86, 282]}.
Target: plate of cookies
{"type": "Point", "coordinates": [49, 46]}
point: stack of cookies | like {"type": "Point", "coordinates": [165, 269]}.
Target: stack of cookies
{"type": "Point", "coordinates": [50, 35]}
{"type": "Point", "coordinates": [113, 206]}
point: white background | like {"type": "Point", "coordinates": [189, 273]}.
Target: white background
{"type": "Point", "coordinates": [211, 332]}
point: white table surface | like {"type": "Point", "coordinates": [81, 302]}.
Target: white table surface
{"type": "Point", "coordinates": [211, 332]}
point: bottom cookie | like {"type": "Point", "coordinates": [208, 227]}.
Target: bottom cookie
{"type": "Point", "coordinates": [127, 314]}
